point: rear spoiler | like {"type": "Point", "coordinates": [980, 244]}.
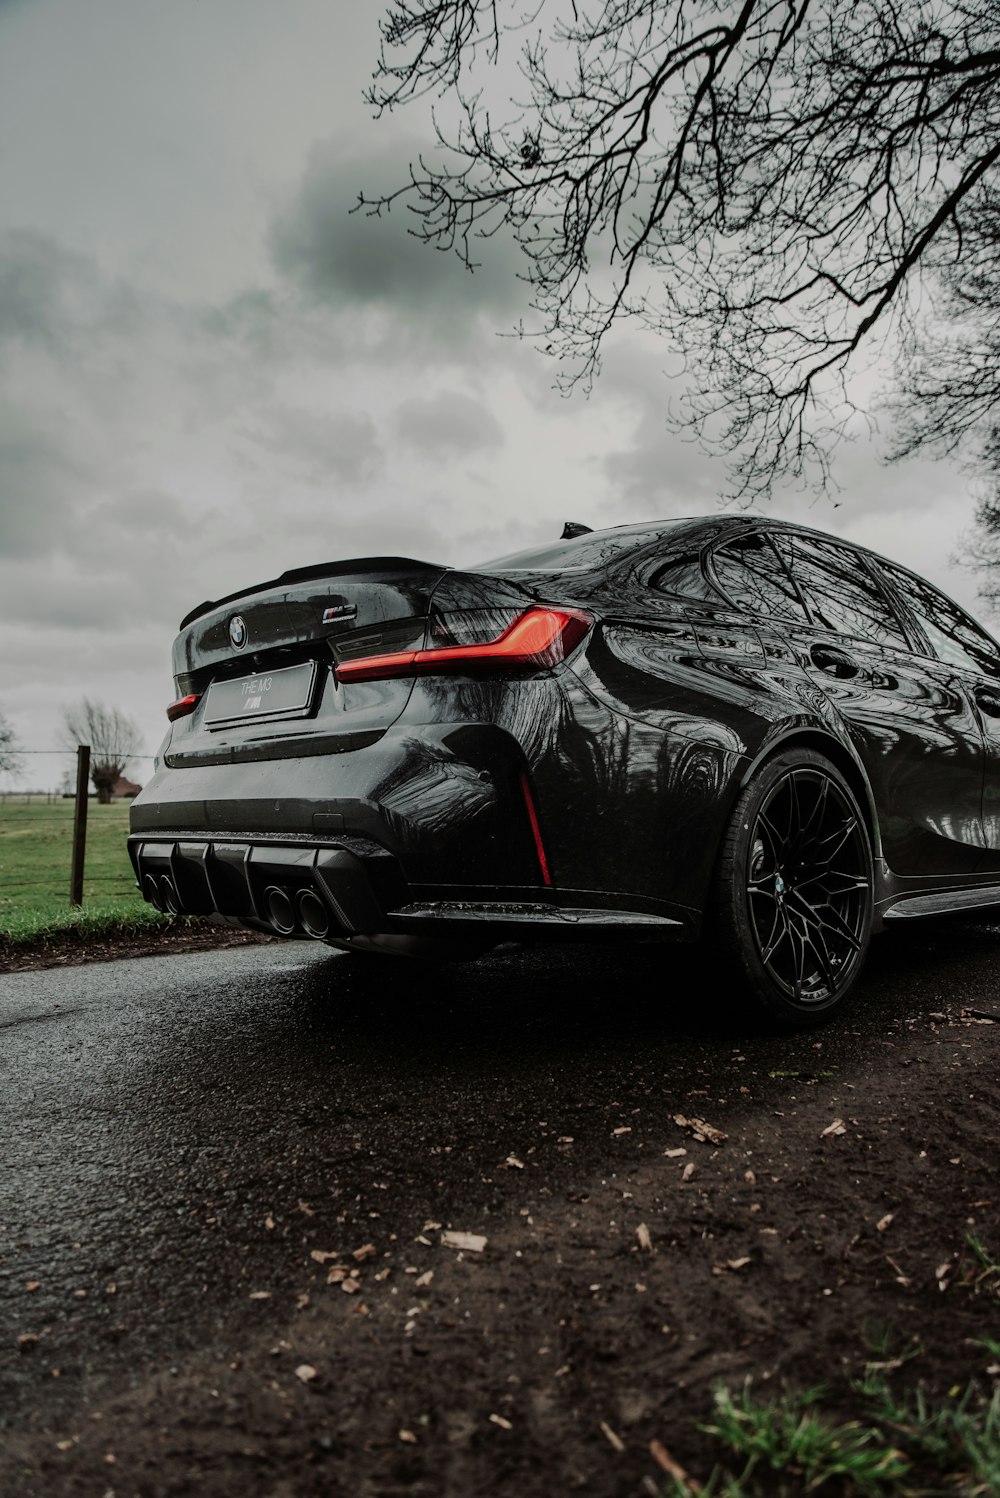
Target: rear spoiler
{"type": "Point", "coordinates": [311, 574]}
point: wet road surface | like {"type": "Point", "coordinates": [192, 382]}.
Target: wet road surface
{"type": "Point", "coordinates": [179, 1132]}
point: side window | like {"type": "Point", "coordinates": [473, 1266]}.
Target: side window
{"type": "Point", "coordinates": [682, 575]}
{"type": "Point", "coordinates": [954, 637]}
{"type": "Point", "coordinates": [752, 576]}
{"type": "Point", "coordinates": [841, 593]}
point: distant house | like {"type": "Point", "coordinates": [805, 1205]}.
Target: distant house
{"type": "Point", "coordinates": [124, 790]}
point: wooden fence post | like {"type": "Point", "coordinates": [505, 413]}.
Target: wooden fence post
{"type": "Point", "coordinates": [79, 824]}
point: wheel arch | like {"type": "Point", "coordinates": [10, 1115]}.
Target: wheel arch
{"type": "Point", "coordinates": [840, 756]}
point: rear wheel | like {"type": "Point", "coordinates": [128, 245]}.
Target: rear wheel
{"type": "Point", "coordinates": [793, 895]}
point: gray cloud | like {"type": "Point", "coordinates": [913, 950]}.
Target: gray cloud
{"type": "Point", "coordinates": [323, 445]}
{"type": "Point", "coordinates": [363, 260]}
{"type": "Point", "coordinates": [40, 478]}
{"type": "Point", "coordinates": [447, 424]}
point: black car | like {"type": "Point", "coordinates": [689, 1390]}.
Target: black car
{"type": "Point", "coordinates": [723, 726]}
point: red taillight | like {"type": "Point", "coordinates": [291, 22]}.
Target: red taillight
{"type": "Point", "coordinates": [183, 706]}
{"type": "Point", "coordinates": [537, 638]}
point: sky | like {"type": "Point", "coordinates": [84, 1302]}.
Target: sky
{"type": "Point", "coordinates": [210, 370]}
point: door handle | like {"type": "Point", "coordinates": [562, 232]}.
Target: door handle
{"type": "Point", "coordinates": [988, 702]}
{"type": "Point", "coordinates": [833, 661]}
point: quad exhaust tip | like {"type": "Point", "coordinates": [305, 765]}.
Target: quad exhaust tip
{"type": "Point", "coordinates": [169, 900]}
{"type": "Point", "coordinates": [280, 910]}
{"type": "Point", "coordinates": [151, 892]}
{"type": "Point", "coordinates": [313, 915]}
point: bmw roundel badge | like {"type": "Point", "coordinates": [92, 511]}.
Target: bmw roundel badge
{"type": "Point", "coordinates": [238, 632]}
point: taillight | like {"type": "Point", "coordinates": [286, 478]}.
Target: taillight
{"type": "Point", "coordinates": [183, 706]}
{"type": "Point", "coordinates": [535, 639]}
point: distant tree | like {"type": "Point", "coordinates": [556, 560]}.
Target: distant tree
{"type": "Point", "coordinates": [113, 737]}
{"type": "Point", "coordinates": [771, 185]}
{"type": "Point", "coordinates": [980, 550]}
{"type": "Point", "coordinates": [10, 758]}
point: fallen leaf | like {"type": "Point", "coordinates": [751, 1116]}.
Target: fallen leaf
{"type": "Point", "coordinates": [901, 1278]}
{"type": "Point", "coordinates": [613, 1438]}
{"type": "Point", "coordinates": [734, 1264]}
{"type": "Point", "coordinates": [306, 1372]}
{"type": "Point", "coordinates": [661, 1456]}
{"type": "Point", "coordinates": [837, 1127]}
{"type": "Point", "coordinates": [473, 1243]}
{"type": "Point", "coordinates": [705, 1132]}
{"type": "Point", "coordinates": [644, 1237]}
{"type": "Point", "coordinates": [499, 1420]}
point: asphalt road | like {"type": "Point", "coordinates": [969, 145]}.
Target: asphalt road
{"type": "Point", "coordinates": [177, 1131]}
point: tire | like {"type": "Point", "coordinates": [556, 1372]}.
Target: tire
{"type": "Point", "coordinates": [792, 906]}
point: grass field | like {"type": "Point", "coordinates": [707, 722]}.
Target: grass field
{"type": "Point", "coordinates": [36, 844]}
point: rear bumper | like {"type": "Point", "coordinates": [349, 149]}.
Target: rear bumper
{"type": "Point", "coordinates": [354, 887]}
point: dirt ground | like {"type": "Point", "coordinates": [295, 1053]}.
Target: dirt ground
{"type": "Point", "coordinates": [784, 1224]}
{"type": "Point", "coordinates": [67, 948]}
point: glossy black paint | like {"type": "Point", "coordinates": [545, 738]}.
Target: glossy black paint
{"type": "Point", "coordinates": [715, 644]}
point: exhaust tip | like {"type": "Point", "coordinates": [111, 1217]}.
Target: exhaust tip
{"type": "Point", "coordinates": [151, 892]}
{"type": "Point", "coordinates": [313, 914]}
{"type": "Point", "coordinates": [280, 910]}
{"type": "Point", "coordinates": [169, 902]}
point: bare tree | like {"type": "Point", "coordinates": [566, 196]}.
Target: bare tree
{"type": "Point", "coordinates": [772, 185]}
{"type": "Point", "coordinates": [113, 737]}
{"type": "Point", "coordinates": [10, 758]}
{"type": "Point", "coordinates": [979, 550]}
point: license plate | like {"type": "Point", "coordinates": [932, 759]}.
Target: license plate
{"type": "Point", "coordinates": [273, 694]}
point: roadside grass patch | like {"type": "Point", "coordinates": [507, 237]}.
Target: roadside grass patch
{"type": "Point", "coordinates": [28, 925]}
{"type": "Point", "coordinates": [36, 843]}
{"type": "Point", "coordinates": [898, 1445]}
{"type": "Point", "coordinates": [898, 1448]}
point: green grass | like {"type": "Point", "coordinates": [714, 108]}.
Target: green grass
{"type": "Point", "coordinates": [897, 1445]}
{"type": "Point", "coordinates": [36, 843]}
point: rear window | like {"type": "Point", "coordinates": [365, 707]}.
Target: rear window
{"type": "Point", "coordinates": [586, 553]}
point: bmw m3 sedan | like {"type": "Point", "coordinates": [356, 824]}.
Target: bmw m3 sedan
{"type": "Point", "coordinates": [723, 727]}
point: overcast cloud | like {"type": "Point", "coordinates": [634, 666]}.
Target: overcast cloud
{"type": "Point", "coordinates": [211, 370]}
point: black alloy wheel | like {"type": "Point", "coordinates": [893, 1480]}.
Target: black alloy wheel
{"type": "Point", "coordinates": [794, 890]}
